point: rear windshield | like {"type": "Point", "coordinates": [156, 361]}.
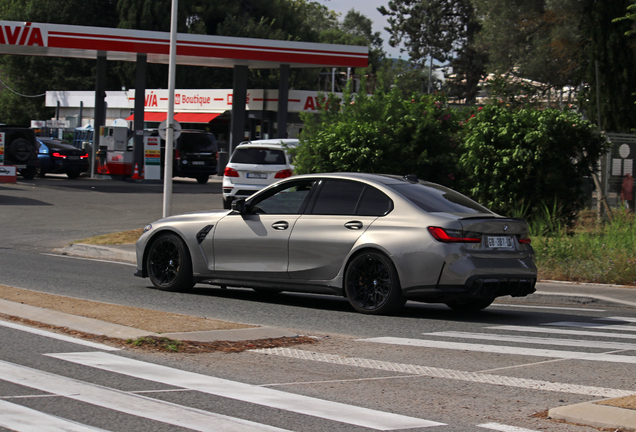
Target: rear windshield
{"type": "Point", "coordinates": [60, 146]}
{"type": "Point", "coordinates": [197, 143]}
{"type": "Point", "coordinates": [432, 198]}
{"type": "Point", "coordinates": [259, 156]}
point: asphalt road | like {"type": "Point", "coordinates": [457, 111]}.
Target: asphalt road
{"type": "Point", "coordinates": [495, 370]}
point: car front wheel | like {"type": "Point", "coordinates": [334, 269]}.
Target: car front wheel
{"type": "Point", "coordinates": [169, 264]}
{"type": "Point", "coordinates": [372, 284]}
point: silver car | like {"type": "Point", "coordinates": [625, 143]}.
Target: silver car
{"type": "Point", "coordinates": [378, 240]}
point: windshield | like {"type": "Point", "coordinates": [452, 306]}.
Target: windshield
{"type": "Point", "coordinates": [197, 143]}
{"type": "Point", "coordinates": [258, 156]}
{"type": "Point", "coordinates": [432, 198]}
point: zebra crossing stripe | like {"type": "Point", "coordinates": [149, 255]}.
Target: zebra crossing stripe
{"type": "Point", "coordinates": [537, 340]}
{"type": "Point", "coordinates": [563, 331]}
{"type": "Point", "coordinates": [475, 377]}
{"type": "Point", "coordinates": [504, 428]}
{"type": "Point", "coordinates": [22, 419]}
{"type": "Point", "coordinates": [52, 335]}
{"type": "Point", "coordinates": [137, 405]}
{"type": "Point", "coordinates": [501, 349]}
{"type": "Point", "coordinates": [591, 325]}
{"type": "Point", "coordinates": [248, 393]}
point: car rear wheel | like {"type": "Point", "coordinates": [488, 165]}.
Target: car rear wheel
{"type": "Point", "coordinates": [203, 179]}
{"type": "Point", "coordinates": [372, 284]}
{"type": "Point", "coordinates": [470, 305]}
{"type": "Point", "coordinates": [40, 172]}
{"type": "Point", "coordinates": [73, 174]}
{"type": "Point", "coordinates": [28, 173]}
{"type": "Point", "coordinates": [169, 264]}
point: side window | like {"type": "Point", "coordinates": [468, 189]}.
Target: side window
{"type": "Point", "coordinates": [338, 197]}
{"type": "Point", "coordinates": [374, 203]}
{"type": "Point", "coordinates": [287, 199]}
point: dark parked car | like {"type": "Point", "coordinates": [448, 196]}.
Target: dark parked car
{"type": "Point", "coordinates": [60, 157]}
{"type": "Point", "coordinates": [378, 240]}
{"type": "Point", "coordinates": [195, 155]}
{"type": "Point", "coordinates": [20, 150]}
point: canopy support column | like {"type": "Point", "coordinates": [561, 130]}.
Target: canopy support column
{"type": "Point", "coordinates": [239, 98]}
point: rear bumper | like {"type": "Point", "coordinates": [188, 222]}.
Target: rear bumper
{"type": "Point", "coordinates": [478, 287]}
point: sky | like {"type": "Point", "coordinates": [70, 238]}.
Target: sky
{"type": "Point", "coordinates": [368, 8]}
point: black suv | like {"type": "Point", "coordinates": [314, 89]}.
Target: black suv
{"type": "Point", "coordinates": [21, 150]}
{"type": "Point", "coordinates": [195, 155]}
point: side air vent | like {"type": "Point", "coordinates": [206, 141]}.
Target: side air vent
{"type": "Point", "coordinates": [203, 233]}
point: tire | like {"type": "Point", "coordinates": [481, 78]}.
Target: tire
{"type": "Point", "coordinates": [227, 204]}
{"type": "Point", "coordinates": [169, 264]}
{"type": "Point", "coordinates": [40, 172]}
{"type": "Point", "coordinates": [29, 173]}
{"type": "Point", "coordinates": [470, 305]}
{"type": "Point", "coordinates": [21, 150]}
{"type": "Point", "coordinates": [73, 174]}
{"type": "Point", "coordinates": [372, 284]}
{"type": "Point", "coordinates": [203, 179]}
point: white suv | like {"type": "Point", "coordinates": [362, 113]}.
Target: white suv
{"type": "Point", "coordinates": [254, 165]}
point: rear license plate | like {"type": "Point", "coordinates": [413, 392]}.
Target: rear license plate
{"type": "Point", "coordinates": [500, 242]}
{"type": "Point", "coordinates": [73, 157]}
{"type": "Point", "coordinates": [198, 162]}
{"type": "Point", "coordinates": [256, 175]}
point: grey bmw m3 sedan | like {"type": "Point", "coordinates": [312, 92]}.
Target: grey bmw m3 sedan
{"type": "Point", "coordinates": [378, 240]}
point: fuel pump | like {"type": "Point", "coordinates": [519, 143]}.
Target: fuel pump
{"type": "Point", "coordinates": [114, 140]}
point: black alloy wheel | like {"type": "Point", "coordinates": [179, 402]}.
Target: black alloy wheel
{"type": "Point", "coordinates": [372, 284]}
{"type": "Point", "coordinates": [470, 305]}
{"type": "Point", "coordinates": [169, 264]}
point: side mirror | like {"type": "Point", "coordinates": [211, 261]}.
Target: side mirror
{"type": "Point", "coordinates": [238, 205]}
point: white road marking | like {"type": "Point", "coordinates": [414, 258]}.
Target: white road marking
{"type": "Point", "coordinates": [563, 331]}
{"type": "Point", "coordinates": [476, 377]}
{"type": "Point", "coordinates": [545, 307]}
{"type": "Point", "coordinates": [248, 393]}
{"type": "Point", "coordinates": [89, 259]}
{"type": "Point", "coordinates": [537, 340]}
{"type": "Point", "coordinates": [22, 419]}
{"type": "Point", "coordinates": [500, 349]}
{"type": "Point", "coordinates": [504, 428]}
{"type": "Point", "coordinates": [57, 336]}
{"type": "Point", "coordinates": [591, 325]}
{"type": "Point", "coordinates": [626, 319]}
{"type": "Point", "coordinates": [128, 403]}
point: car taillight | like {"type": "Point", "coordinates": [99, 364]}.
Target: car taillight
{"type": "Point", "coordinates": [451, 236]}
{"type": "Point", "coordinates": [230, 172]}
{"type": "Point", "coordinates": [177, 155]}
{"type": "Point", "coordinates": [56, 154]}
{"type": "Point", "coordinates": [217, 156]}
{"type": "Point", "coordinates": [526, 240]}
{"type": "Point", "coordinates": [283, 174]}
{"type": "Point", "coordinates": [84, 156]}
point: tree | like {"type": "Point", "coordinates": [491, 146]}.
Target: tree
{"type": "Point", "coordinates": [381, 133]}
{"type": "Point", "coordinates": [30, 76]}
{"type": "Point", "coordinates": [520, 161]}
{"type": "Point", "coordinates": [440, 30]}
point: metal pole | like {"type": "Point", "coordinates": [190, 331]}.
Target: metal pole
{"type": "Point", "coordinates": [430, 75]}
{"type": "Point", "coordinates": [167, 177]}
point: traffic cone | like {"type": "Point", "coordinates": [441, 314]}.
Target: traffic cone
{"type": "Point", "coordinates": [136, 173]}
{"type": "Point", "coordinates": [143, 172]}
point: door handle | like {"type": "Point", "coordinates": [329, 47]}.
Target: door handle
{"type": "Point", "coordinates": [281, 225]}
{"type": "Point", "coordinates": [353, 225]}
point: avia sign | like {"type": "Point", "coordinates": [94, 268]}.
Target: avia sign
{"type": "Point", "coordinates": [221, 100]}
{"type": "Point", "coordinates": [25, 35]}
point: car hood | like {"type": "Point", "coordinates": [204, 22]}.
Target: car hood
{"type": "Point", "coordinates": [207, 216]}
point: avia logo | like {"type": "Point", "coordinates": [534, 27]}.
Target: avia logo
{"type": "Point", "coordinates": [313, 102]}
{"type": "Point", "coordinates": [21, 35]}
{"type": "Point", "coordinates": [151, 100]}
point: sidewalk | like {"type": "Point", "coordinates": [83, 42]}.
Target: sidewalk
{"type": "Point", "coordinates": [613, 414]}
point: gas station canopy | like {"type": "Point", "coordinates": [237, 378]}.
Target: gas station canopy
{"type": "Point", "coordinates": [58, 40]}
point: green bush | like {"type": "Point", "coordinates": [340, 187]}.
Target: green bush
{"type": "Point", "coordinates": [381, 133]}
{"type": "Point", "coordinates": [529, 159]}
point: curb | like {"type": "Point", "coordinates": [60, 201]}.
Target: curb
{"type": "Point", "coordinates": [118, 253]}
{"type": "Point", "coordinates": [592, 414]}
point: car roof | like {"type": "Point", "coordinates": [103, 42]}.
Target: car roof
{"type": "Point", "coordinates": [384, 179]}
{"type": "Point", "coordinates": [270, 142]}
